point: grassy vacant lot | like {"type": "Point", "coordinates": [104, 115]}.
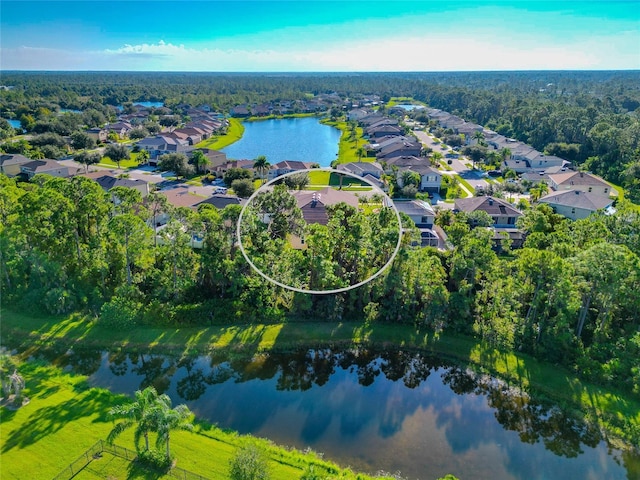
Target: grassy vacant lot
{"type": "Point", "coordinates": [65, 417]}
{"type": "Point", "coordinates": [617, 413]}
{"type": "Point", "coordinates": [216, 142]}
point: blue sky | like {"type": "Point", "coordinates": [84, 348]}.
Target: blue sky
{"type": "Point", "coordinates": [319, 36]}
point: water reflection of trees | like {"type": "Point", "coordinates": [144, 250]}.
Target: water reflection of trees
{"type": "Point", "coordinates": [532, 419]}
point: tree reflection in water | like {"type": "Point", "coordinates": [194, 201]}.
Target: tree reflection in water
{"type": "Point", "coordinates": [534, 420]}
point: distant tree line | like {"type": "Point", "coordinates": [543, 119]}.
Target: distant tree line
{"type": "Point", "coordinates": [589, 118]}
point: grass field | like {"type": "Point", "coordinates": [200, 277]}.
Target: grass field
{"type": "Point", "coordinates": [65, 417]}
{"type": "Point", "coordinates": [234, 133]}
{"type": "Point", "coordinates": [348, 145]}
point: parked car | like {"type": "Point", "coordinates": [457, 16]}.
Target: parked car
{"type": "Point", "coordinates": [494, 173]}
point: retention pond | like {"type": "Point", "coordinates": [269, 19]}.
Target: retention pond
{"type": "Point", "coordinates": [389, 410]}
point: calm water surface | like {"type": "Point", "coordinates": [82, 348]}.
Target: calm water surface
{"type": "Point", "coordinates": [14, 123]}
{"type": "Point", "coordinates": [372, 410]}
{"type": "Point", "coordinates": [304, 139]}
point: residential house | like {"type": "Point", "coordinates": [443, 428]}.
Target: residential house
{"type": "Point", "coordinates": [163, 144]}
{"type": "Point", "coordinates": [108, 182]}
{"type": "Point", "coordinates": [423, 216]}
{"type": "Point", "coordinates": [262, 110]}
{"type": "Point", "coordinates": [286, 166]}
{"type": "Point", "coordinates": [419, 211]}
{"type": "Point", "coordinates": [215, 157]}
{"type": "Point", "coordinates": [49, 167]}
{"type": "Point", "coordinates": [120, 128]}
{"type": "Point", "coordinates": [383, 131]}
{"type": "Point", "coordinates": [98, 134]}
{"type": "Point", "coordinates": [503, 214]}
{"type": "Point", "coordinates": [240, 111]}
{"type": "Point", "coordinates": [362, 169]}
{"type": "Point", "coordinates": [377, 144]}
{"type": "Point", "coordinates": [10, 163]}
{"type": "Point", "coordinates": [314, 206]}
{"type": "Point", "coordinates": [371, 119]}
{"type": "Point", "coordinates": [576, 204]}
{"type": "Point", "coordinates": [430, 178]}
{"type": "Point", "coordinates": [514, 236]}
{"type": "Point", "coordinates": [221, 169]}
{"type": "Point", "coordinates": [358, 114]}
{"type": "Point", "coordinates": [582, 181]}
{"type": "Point", "coordinates": [399, 149]}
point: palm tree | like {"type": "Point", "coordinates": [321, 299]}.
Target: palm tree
{"type": "Point", "coordinates": [200, 160]}
{"type": "Point", "coordinates": [478, 136]}
{"type": "Point", "coordinates": [261, 165]}
{"type": "Point", "coordinates": [435, 158]}
{"type": "Point", "coordinates": [166, 419]}
{"type": "Point", "coordinates": [135, 414]}
{"type": "Point", "coordinates": [538, 191]}
{"type": "Point", "coordinates": [505, 153]}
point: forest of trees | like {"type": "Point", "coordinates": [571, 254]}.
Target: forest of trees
{"type": "Point", "coordinates": [353, 246]}
{"type": "Point", "coordinates": [568, 297]}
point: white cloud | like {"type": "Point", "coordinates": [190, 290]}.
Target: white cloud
{"type": "Point", "coordinates": [429, 52]}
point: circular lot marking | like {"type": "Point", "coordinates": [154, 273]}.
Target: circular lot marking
{"type": "Point", "coordinates": [386, 203]}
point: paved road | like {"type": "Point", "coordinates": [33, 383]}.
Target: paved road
{"type": "Point", "coordinates": [460, 167]}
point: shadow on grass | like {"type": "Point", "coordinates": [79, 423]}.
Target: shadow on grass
{"type": "Point", "coordinates": [48, 420]}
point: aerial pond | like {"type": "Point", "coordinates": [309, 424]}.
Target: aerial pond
{"type": "Point", "coordinates": [395, 411]}
{"type": "Point", "coordinates": [303, 139]}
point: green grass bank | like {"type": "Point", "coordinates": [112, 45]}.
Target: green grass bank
{"type": "Point", "coordinates": [216, 142]}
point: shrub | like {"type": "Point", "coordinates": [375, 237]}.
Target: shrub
{"type": "Point", "coordinates": [249, 463]}
{"type": "Point", "coordinates": [155, 459]}
{"type": "Point", "coordinates": [59, 300]}
{"type": "Point", "coordinates": [121, 313]}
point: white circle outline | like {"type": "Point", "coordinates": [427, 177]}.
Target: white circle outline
{"type": "Point", "coordinates": [320, 292]}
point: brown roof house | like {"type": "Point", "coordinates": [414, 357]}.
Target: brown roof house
{"type": "Point", "coordinates": [314, 207]}
{"type": "Point", "coordinates": [501, 212]}
{"type": "Point", "coordinates": [286, 166]}
{"type": "Point", "coordinates": [504, 218]}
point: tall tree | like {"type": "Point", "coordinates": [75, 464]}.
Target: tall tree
{"type": "Point", "coordinates": [200, 160]}
{"type": "Point", "coordinates": [117, 153]}
{"type": "Point", "coordinates": [87, 158]}
{"type": "Point", "coordinates": [165, 419]}
{"type": "Point", "coordinates": [136, 414]}
{"type": "Point", "coordinates": [261, 165]}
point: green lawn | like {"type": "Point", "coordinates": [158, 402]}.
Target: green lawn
{"type": "Point", "coordinates": [65, 417]}
{"type": "Point", "coordinates": [131, 163]}
{"type": "Point", "coordinates": [466, 184]}
{"type": "Point", "coordinates": [348, 146]}
{"type": "Point", "coordinates": [319, 179]}
{"type": "Point", "coordinates": [216, 142]}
